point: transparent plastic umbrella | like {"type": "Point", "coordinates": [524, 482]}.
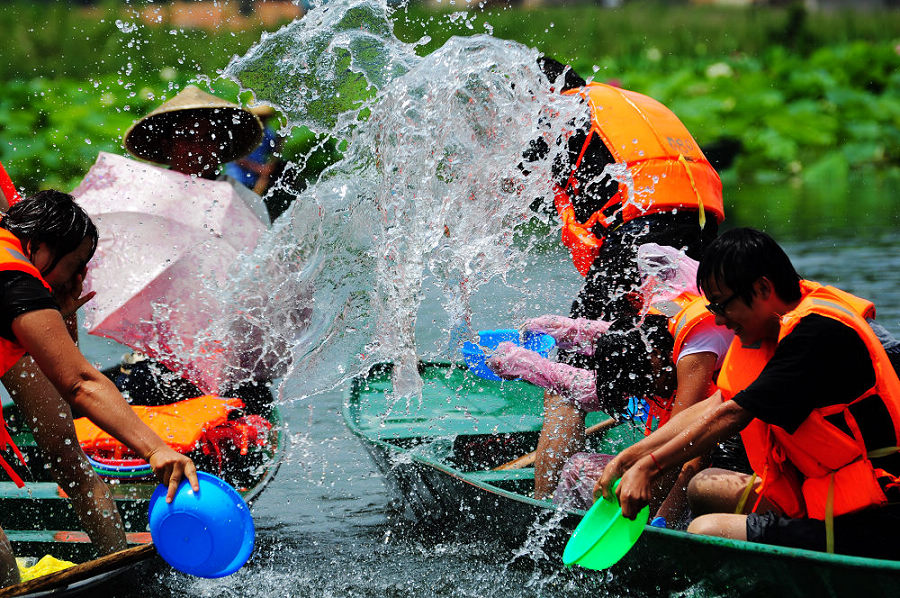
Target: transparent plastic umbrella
{"type": "Point", "coordinates": [166, 243]}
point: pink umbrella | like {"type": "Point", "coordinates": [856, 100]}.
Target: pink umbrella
{"type": "Point", "coordinates": [166, 243]}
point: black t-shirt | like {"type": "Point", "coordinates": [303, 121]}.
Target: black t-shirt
{"type": "Point", "coordinates": [821, 362]}
{"type": "Point", "coordinates": [20, 293]}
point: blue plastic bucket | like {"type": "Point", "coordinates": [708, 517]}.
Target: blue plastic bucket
{"type": "Point", "coordinates": [209, 533]}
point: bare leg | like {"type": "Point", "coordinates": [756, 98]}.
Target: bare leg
{"type": "Point", "coordinates": [9, 571]}
{"type": "Point", "coordinates": [50, 419]}
{"type": "Point", "coordinates": [561, 436]}
{"type": "Point", "coordinates": [716, 490]}
{"type": "Point", "coordinates": [723, 525]}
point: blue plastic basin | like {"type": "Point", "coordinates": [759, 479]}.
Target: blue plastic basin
{"type": "Point", "coordinates": [209, 533]}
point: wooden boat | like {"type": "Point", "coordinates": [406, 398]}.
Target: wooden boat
{"type": "Point", "coordinates": [39, 519]}
{"type": "Point", "coordinates": [84, 576]}
{"type": "Point", "coordinates": [439, 454]}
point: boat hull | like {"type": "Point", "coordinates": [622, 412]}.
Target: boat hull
{"type": "Point", "coordinates": [424, 450]}
{"type": "Point", "coordinates": [39, 519]}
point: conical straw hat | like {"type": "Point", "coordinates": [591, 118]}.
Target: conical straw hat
{"type": "Point", "coordinates": [148, 138]}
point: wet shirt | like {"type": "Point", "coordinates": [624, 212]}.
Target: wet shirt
{"type": "Point", "coordinates": [821, 362]}
{"type": "Point", "coordinates": [20, 293]}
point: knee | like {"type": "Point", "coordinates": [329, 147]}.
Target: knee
{"type": "Point", "coordinates": [720, 525]}
{"type": "Point", "coordinates": [704, 525]}
{"type": "Point", "coordinates": [695, 491]}
{"type": "Point", "coordinates": [9, 569]}
{"type": "Point", "coordinates": [706, 490]}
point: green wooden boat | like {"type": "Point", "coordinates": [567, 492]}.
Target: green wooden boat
{"type": "Point", "coordinates": [39, 519]}
{"type": "Point", "coordinates": [439, 455]}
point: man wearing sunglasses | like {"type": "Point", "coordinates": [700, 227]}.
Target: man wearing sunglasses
{"type": "Point", "coordinates": [817, 401]}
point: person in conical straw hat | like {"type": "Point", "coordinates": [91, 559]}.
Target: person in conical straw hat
{"type": "Point", "coordinates": [195, 133]}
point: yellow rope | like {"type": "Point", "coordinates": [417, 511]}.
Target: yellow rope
{"type": "Point", "coordinates": [829, 518]}
{"type": "Point", "coordinates": [742, 503]}
{"type": "Point", "coordinates": [687, 169]}
{"type": "Point", "coordinates": [883, 452]}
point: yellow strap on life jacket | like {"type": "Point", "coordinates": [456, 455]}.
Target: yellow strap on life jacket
{"type": "Point", "coordinates": [829, 517]}
{"type": "Point", "coordinates": [687, 169]}
{"type": "Point", "coordinates": [739, 510]}
{"type": "Point", "coordinates": [883, 452]}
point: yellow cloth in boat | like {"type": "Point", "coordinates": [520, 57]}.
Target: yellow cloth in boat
{"type": "Point", "coordinates": [182, 425]}
{"type": "Point", "coordinates": [45, 566]}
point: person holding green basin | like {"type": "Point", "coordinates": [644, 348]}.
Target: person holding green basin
{"type": "Point", "coordinates": [817, 401]}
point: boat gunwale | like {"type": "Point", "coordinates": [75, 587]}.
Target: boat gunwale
{"type": "Point", "coordinates": [352, 396]}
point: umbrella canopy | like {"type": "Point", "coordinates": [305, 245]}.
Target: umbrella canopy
{"type": "Point", "coordinates": [166, 243]}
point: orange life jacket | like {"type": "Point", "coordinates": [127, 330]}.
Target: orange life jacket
{"type": "Point", "coordinates": [689, 311]}
{"type": "Point", "coordinates": [7, 188]}
{"type": "Point", "coordinates": [181, 425]}
{"type": "Point", "coordinates": [12, 257]}
{"type": "Point", "coordinates": [668, 169]}
{"type": "Point", "coordinates": [818, 471]}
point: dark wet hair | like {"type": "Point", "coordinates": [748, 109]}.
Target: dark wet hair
{"type": "Point", "coordinates": [51, 217]}
{"type": "Point", "coordinates": [552, 69]}
{"type": "Point", "coordinates": [740, 256]}
{"type": "Point", "coordinates": [624, 362]}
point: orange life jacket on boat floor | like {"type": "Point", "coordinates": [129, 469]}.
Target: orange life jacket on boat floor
{"type": "Point", "coordinates": [819, 471]}
{"type": "Point", "coordinates": [667, 167]}
{"type": "Point", "coordinates": [198, 423]}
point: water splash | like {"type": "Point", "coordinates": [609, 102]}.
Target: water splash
{"type": "Point", "coordinates": [320, 70]}
{"type": "Point", "coordinates": [431, 184]}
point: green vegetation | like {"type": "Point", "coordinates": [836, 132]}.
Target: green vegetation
{"type": "Point", "coordinates": [811, 99]}
{"type": "Point", "coordinates": [803, 93]}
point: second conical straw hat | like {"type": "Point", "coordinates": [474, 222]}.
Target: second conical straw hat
{"type": "Point", "coordinates": [149, 138]}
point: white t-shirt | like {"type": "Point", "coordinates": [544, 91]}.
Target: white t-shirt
{"type": "Point", "coordinates": [706, 337]}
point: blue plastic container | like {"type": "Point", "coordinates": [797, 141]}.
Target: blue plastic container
{"type": "Point", "coordinates": [474, 355]}
{"type": "Point", "coordinates": [209, 533]}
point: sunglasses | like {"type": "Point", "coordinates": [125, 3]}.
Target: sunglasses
{"type": "Point", "coordinates": [719, 308]}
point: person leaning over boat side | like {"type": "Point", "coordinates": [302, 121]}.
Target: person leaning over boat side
{"type": "Point", "coordinates": [676, 201]}
{"type": "Point", "coordinates": [675, 197]}
{"type": "Point", "coordinates": [46, 241]}
{"type": "Point", "coordinates": [817, 402]}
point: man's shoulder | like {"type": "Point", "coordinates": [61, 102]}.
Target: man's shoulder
{"type": "Point", "coordinates": [823, 332]}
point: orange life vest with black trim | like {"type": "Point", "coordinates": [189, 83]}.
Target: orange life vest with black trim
{"type": "Point", "coordinates": [667, 167]}
{"type": "Point", "coordinates": [12, 257]}
{"type": "Point", "coordinates": [799, 471]}
{"type": "Point", "coordinates": [689, 311]}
